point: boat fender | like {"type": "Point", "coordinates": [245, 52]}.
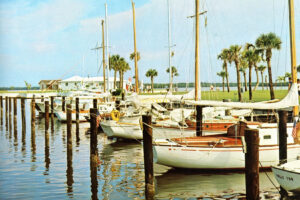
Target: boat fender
{"type": "Point", "coordinates": [115, 115]}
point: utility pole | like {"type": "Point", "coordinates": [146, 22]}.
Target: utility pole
{"type": "Point", "coordinates": [135, 52]}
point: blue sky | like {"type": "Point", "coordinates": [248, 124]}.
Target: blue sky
{"type": "Point", "coordinates": [52, 39]}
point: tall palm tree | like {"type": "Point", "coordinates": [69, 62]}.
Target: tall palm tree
{"type": "Point", "coordinates": [224, 55]}
{"type": "Point", "coordinates": [124, 66]}
{"type": "Point", "coordinates": [243, 70]}
{"type": "Point", "coordinates": [152, 73]}
{"type": "Point", "coordinates": [114, 64]}
{"type": "Point", "coordinates": [262, 68]}
{"type": "Point", "coordinates": [222, 74]}
{"type": "Point", "coordinates": [267, 42]}
{"type": "Point", "coordinates": [174, 71]}
{"type": "Point", "coordinates": [234, 56]}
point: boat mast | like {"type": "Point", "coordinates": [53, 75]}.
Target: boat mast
{"type": "Point", "coordinates": [107, 54]}
{"type": "Point", "coordinates": [293, 50]}
{"type": "Point", "coordinates": [169, 46]}
{"type": "Point", "coordinates": [103, 54]}
{"type": "Point", "coordinates": [197, 71]}
{"type": "Point", "coordinates": [135, 54]}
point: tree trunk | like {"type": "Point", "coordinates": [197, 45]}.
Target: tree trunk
{"type": "Point", "coordinates": [223, 83]}
{"type": "Point", "coordinates": [270, 79]}
{"type": "Point", "coordinates": [119, 79]}
{"type": "Point", "coordinates": [245, 78]}
{"type": "Point", "coordinates": [238, 80]}
{"type": "Point", "coordinates": [250, 81]}
{"type": "Point", "coordinates": [257, 76]}
{"type": "Point", "coordinates": [122, 73]}
{"type": "Point", "coordinates": [152, 84]}
{"type": "Point", "coordinates": [262, 80]}
{"type": "Point", "coordinates": [227, 81]}
{"type": "Point", "coordinates": [115, 78]}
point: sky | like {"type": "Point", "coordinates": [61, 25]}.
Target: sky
{"type": "Point", "coordinates": [52, 39]}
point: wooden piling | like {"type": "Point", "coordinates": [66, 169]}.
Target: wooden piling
{"type": "Point", "coordinates": [33, 117]}
{"type": "Point", "coordinates": [6, 112]}
{"type": "Point", "coordinates": [46, 115]}
{"type": "Point", "coordinates": [63, 104]}
{"type": "Point", "coordinates": [15, 116]}
{"type": "Point", "coordinates": [283, 115]}
{"type": "Point", "coordinates": [93, 137]}
{"type": "Point", "coordinates": [69, 126]}
{"type": "Point", "coordinates": [94, 103]}
{"type": "Point", "coordinates": [77, 119]}
{"type": "Point", "coordinates": [23, 115]}
{"type": "Point", "coordinates": [252, 164]}
{"type": "Point", "coordinates": [148, 157]}
{"type": "Point", "coordinates": [1, 109]}
{"type": "Point", "coordinates": [93, 152]}
{"type": "Point", "coordinates": [10, 109]}
{"type": "Point", "coordinates": [52, 112]}
{"type": "Point", "coordinates": [199, 120]}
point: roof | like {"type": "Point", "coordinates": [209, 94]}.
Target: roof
{"type": "Point", "coordinates": [49, 81]}
{"type": "Point", "coordinates": [87, 79]}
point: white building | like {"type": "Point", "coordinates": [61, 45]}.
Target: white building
{"type": "Point", "coordinates": [87, 83]}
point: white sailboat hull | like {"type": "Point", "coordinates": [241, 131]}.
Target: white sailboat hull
{"type": "Point", "coordinates": [63, 117]}
{"type": "Point", "coordinates": [216, 158]}
{"type": "Point", "coordinates": [288, 175]}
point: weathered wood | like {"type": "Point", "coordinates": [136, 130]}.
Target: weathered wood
{"type": "Point", "coordinates": [33, 117]}
{"type": "Point", "coordinates": [94, 103]}
{"type": "Point", "coordinates": [77, 119]}
{"type": "Point", "coordinates": [1, 109]}
{"type": "Point", "coordinates": [69, 126]}
{"type": "Point", "coordinates": [199, 120]}
{"type": "Point", "coordinates": [23, 116]}
{"type": "Point", "coordinates": [148, 157]}
{"type": "Point", "coordinates": [283, 115]}
{"type": "Point", "coordinates": [93, 137]}
{"type": "Point", "coordinates": [46, 115]}
{"type": "Point", "coordinates": [52, 112]}
{"type": "Point", "coordinates": [9, 120]}
{"type": "Point", "coordinates": [6, 113]}
{"type": "Point", "coordinates": [63, 104]}
{"type": "Point", "coordinates": [252, 164]}
{"type": "Point", "coordinates": [15, 116]}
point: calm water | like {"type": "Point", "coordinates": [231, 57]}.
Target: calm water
{"type": "Point", "coordinates": [37, 168]}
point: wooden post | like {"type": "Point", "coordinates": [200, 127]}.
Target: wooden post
{"type": "Point", "coordinates": [199, 120]}
{"type": "Point", "coordinates": [15, 116]}
{"type": "Point", "coordinates": [94, 103]}
{"type": "Point", "coordinates": [9, 121]}
{"type": "Point", "coordinates": [148, 157]}
{"type": "Point", "coordinates": [23, 115]}
{"type": "Point", "coordinates": [252, 164]}
{"type": "Point", "coordinates": [69, 125]}
{"type": "Point", "coordinates": [1, 111]}
{"type": "Point", "coordinates": [77, 119]}
{"type": "Point", "coordinates": [123, 96]}
{"type": "Point", "coordinates": [42, 98]}
{"type": "Point", "coordinates": [52, 112]}
{"type": "Point", "coordinates": [63, 104]}
{"type": "Point", "coordinates": [46, 115]}
{"type": "Point", "coordinates": [6, 112]}
{"type": "Point", "coordinates": [117, 103]}
{"type": "Point", "coordinates": [33, 117]}
{"type": "Point", "coordinates": [93, 137]}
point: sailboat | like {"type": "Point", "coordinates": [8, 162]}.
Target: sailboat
{"type": "Point", "coordinates": [226, 151]}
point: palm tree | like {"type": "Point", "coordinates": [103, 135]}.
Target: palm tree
{"type": "Point", "coordinates": [262, 68]}
{"type": "Point", "coordinates": [224, 55]}
{"type": "Point", "coordinates": [281, 79]}
{"type": "Point", "coordinates": [114, 64]}
{"type": "Point", "coordinates": [174, 72]}
{"type": "Point", "coordinates": [222, 74]}
{"type": "Point", "coordinates": [151, 73]}
{"type": "Point", "coordinates": [267, 42]}
{"type": "Point", "coordinates": [243, 70]}
{"type": "Point", "coordinates": [234, 56]}
{"type": "Point", "coordinates": [123, 67]}
{"type": "Point", "coordinates": [132, 56]}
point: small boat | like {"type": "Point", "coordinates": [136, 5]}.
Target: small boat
{"type": "Point", "coordinates": [288, 175]}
